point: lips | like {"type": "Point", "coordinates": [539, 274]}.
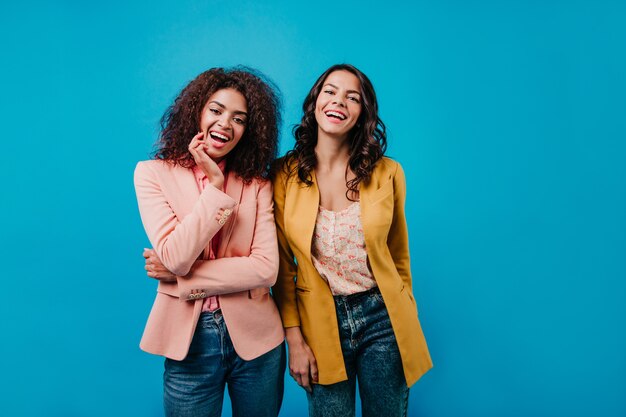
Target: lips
{"type": "Point", "coordinates": [219, 136]}
{"type": "Point", "coordinates": [335, 114]}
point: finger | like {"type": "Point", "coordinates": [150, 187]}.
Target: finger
{"type": "Point", "coordinates": [195, 148]}
{"type": "Point", "coordinates": [193, 153]}
{"type": "Point", "coordinates": [199, 136]}
{"type": "Point", "coordinates": [314, 374]}
{"type": "Point", "coordinates": [305, 382]}
{"type": "Point", "coordinates": [204, 151]}
{"type": "Point", "coordinates": [146, 252]}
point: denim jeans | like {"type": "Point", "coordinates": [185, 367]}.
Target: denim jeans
{"type": "Point", "coordinates": [371, 356]}
{"type": "Point", "coordinates": [194, 387]}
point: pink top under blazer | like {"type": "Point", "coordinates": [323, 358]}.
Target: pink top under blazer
{"type": "Point", "coordinates": [180, 221]}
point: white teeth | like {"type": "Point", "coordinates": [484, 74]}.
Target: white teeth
{"type": "Point", "coordinates": [336, 114]}
{"type": "Point", "coordinates": [219, 136]}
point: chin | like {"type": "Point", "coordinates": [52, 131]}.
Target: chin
{"type": "Point", "coordinates": [217, 156]}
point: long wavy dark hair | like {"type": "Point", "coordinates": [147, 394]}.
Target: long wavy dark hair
{"type": "Point", "coordinates": [367, 139]}
{"type": "Point", "coordinates": [257, 147]}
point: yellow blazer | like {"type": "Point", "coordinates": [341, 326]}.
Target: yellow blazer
{"type": "Point", "coordinates": [304, 298]}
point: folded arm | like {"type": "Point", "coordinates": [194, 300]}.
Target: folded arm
{"type": "Point", "coordinates": [177, 242]}
{"type": "Point", "coordinates": [240, 273]}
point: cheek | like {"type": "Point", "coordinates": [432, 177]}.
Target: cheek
{"type": "Point", "coordinates": [205, 119]}
{"type": "Point", "coordinates": [239, 131]}
{"type": "Point", "coordinates": [320, 104]}
{"type": "Point", "coordinates": [319, 112]}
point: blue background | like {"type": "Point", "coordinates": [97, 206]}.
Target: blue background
{"type": "Point", "coordinates": [508, 116]}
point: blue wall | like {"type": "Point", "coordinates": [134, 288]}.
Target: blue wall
{"type": "Point", "coordinates": [508, 116]}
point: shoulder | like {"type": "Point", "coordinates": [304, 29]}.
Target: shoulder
{"type": "Point", "coordinates": [156, 171]}
{"type": "Point", "coordinates": [152, 165]}
{"type": "Point", "coordinates": [256, 186]}
{"type": "Point", "coordinates": [387, 168]}
{"type": "Point", "coordinates": [157, 166]}
{"type": "Point", "coordinates": [282, 169]}
{"type": "Point", "coordinates": [260, 184]}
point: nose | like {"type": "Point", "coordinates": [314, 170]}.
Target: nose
{"type": "Point", "coordinates": [339, 101]}
{"type": "Point", "coordinates": [224, 121]}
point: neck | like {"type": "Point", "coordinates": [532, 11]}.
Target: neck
{"type": "Point", "coordinates": [331, 151]}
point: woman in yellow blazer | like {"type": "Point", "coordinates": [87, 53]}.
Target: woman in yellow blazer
{"type": "Point", "coordinates": [344, 287]}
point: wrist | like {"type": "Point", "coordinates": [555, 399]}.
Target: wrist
{"type": "Point", "coordinates": [293, 335]}
{"type": "Point", "coordinates": [217, 184]}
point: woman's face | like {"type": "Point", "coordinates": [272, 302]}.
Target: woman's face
{"type": "Point", "coordinates": [338, 105]}
{"type": "Point", "coordinates": [223, 121]}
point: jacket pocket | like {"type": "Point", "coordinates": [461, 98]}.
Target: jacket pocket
{"type": "Point", "coordinates": [302, 290]}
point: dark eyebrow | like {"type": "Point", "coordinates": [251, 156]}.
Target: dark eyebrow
{"type": "Point", "coordinates": [337, 88]}
{"type": "Point", "coordinates": [224, 107]}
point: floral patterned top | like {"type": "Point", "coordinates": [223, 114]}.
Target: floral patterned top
{"type": "Point", "coordinates": [338, 250]}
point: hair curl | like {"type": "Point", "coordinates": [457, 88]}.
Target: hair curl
{"type": "Point", "coordinates": [257, 147]}
{"type": "Point", "coordinates": [367, 140]}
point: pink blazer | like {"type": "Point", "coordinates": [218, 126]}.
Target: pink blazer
{"type": "Point", "coordinates": [179, 221]}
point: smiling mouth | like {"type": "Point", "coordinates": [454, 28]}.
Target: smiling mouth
{"type": "Point", "coordinates": [336, 115]}
{"type": "Point", "coordinates": [220, 137]}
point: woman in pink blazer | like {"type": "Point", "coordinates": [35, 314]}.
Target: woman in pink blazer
{"type": "Point", "coordinates": [206, 206]}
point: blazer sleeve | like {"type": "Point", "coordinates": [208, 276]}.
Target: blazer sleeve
{"type": "Point", "coordinates": [239, 273]}
{"type": "Point", "coordinates": [398, 238]}
{"type": "Point", "coordinates": [177, 242]}
{"type": "Point", "coordinates": [285, 289]}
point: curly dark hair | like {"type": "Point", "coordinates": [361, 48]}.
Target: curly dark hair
{"type": "Point", "coordinates": [368, 138]}
{"type": "Point", "coordinates": [258, 146]}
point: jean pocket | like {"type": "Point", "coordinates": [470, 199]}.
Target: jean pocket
{"type": "Point", "coordinates": [378, 297]}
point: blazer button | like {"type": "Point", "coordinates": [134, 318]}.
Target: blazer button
{"type": "Point", "coordinates": [221, 221]}
{"type": "Point", "coordinates": [227, 212]}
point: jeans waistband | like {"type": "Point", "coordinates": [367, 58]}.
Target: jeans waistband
{"type": "Point", "coordinates": [215, 315]}
{"type": "Point", "coordinates": [356, 296]}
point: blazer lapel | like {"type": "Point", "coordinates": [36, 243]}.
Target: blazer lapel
{"type": "Point", "coordinates": [234, 188]}
{"type": "Point", "coordinates": [365, 200]}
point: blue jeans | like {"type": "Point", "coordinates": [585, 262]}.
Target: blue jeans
{"type": "Point", "coordinates": [194, 387]}
{"type": "Point", "coordinates": [371, 356]}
